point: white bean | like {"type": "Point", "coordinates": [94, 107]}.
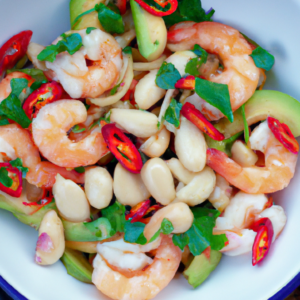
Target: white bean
{"type": "Point", "coordinates": [33, 51]}
{"type": "Point", "coordinates": [190, 146]}
{"type": "Point", "coordinates": [243, 155]}
{"type": "Point", "coordinates": [70, 200]}
{"type": "Point", "coordinates": [157, 144]}
{"type": "Point", "coordinates": [179, 214]}
{"type": "Point", "coordinates": [98, 187]}
{"type": "Point", "coordinates": [137, 122]}
{"type": "Point", "coordinates": [159, 181]}
{"type": "Point", "coordinates": [128, 187]}
{"type": "Point", "coordinates": [199, 189]}
{"type": "Point", "coordinates": [179, 171]}
{"type": "Point", "coordinates": [147, 93]}
{"type": "Point", "coordinates": [51, 242]}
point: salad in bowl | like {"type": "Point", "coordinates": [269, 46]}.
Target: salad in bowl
{"type": "Point", "coordinates": [141, 144]}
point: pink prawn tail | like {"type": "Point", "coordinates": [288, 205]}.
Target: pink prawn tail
{"type": "Point", "coordinates": [222, 164]}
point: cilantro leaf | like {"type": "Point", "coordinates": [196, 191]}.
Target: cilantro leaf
{"type": "Point", "coordinates": [80, 170]}
{"type": "Point", "coordinates": [172, 114]}
{"type": "Point", "coordinates": [36, 74]}
{"type": "Point", "coordinates": [77, 129]}
{"type": "Point", "coordinates": [116, 216]}
{"type": "Point", "coordinates": [90, 29]}
{"type": "Point", "coordinates": [114, 89]}
{"type": "Point", "coordinates": [192, 67]}
{"type": "Point", "coordinates": [127, 50]}
{"type": "Point", "coordinates": [134, 233]}
{"type": "Point", "coordinates": [262, 58]}
{"type": "Point", "coordinates": [4, 178]}
{"type": "Point", "coordinates": [71, 43]}
{"type": "Point", "coordinates": [165, 228]}
{"type": "Point", "coordinates": [246, 128]}
{"type": "Point", "coordinates": [111, 21]}
{"type": "Point", "coordinates": [3, 121]}
{"type": "Point", "coordinates": [188, 10]}
{"type": "Point", "coordinates": [18, 163]}
{"type": "Point", "coordinates": [216, 94]}
{"type": "Point", "coordinates": [167, 76]}
{"type": "Point", "coordinates": [18, 85]}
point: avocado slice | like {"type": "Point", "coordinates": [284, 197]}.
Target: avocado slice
{"type": "Point", "coordinates": [201, 267]}
{"type": "Point", "coordinates": [151, 32]}
{"type": "Point", "coordinates": [77, 7]}
{"type": "Point", "coordinates": [261, 105]}
{"type": "Point", "coordinates": [77, 265]}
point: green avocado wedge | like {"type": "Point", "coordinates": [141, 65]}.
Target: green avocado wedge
{"type": "Point", "coordinates": [261, 105]}
{"type": "Point", "coordinates": [77, 265]}
{"type": "Point", "coordinates": [201, 267]}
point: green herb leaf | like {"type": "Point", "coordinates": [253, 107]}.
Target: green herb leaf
{"type": "Point", "coordinates": [3, 121]}
{"type": "Point", "coordinates": [4, 178]}
{"type": "Point", "coordinates": [165, 228]}
{"type": "Point", "coordinates": [134, 233]}
{"type": "Point", "coordinates": [158, 125]}
{"type": "Point", "coordinates": [216, 94]}
{"type": "Point", "coordinates": [167, 76]}
{"type": "Point", "coordinates": [112, 22]}
{"type": "Point", "coordinates": [18, 163]}
{"type": "Point", "coordinates": [100, 227]}
{"type": "Point", "coordinates": [127, 50]}
{"type": "Point", "coordinates": [115, 88]}
{"type": "Point", "coordinates": [37, 84]}
{"type": "Point", "coordinates": [116, 216]}
{"type": "Point", "coordinates": [262, 58]}
{"type": "Point", "coordinates": [71, 43]}
{"type": "Point", "coordinates": [90, 29]}
{"type": "Point", "coordinates": [192, 67]}
{"type": "Point", "coordinates": [81, 15]}
{"type": "Point", "coordinates": [36, 74]}
{"type": "Point", "coordinates": [246, 128]}
{"type": "Point", "coordinates": [18, 85]}
{"type": "Point", "coordinates": [172, 114]}
{"type": "Point", "coordinates": [77, 129]}
{"type": "Point", "coordinates": [188, 10]}
{"type": "Point", "coordinates": [80, 170]}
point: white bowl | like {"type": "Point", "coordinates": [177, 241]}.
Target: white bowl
{"type": "Point", "coordinates": [274, 24]}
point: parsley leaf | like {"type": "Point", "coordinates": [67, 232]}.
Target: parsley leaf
{"type": "Point", "coordinates": [192, 67]}
{"type": "Point", "coordinates": [134, 233]}
{"type": "Point", "coordinates": [17, 163]}
{"type": "Point", "coordinates": [216, 94]}
{"type": "Point", "coordinates": [80, 170]}
{"type": "Point", "coordinates": [167, 76]}
{"type": "Point", "coordinates": [200, 235]}
{"type": "Point", "coordinates": [188, 10]}
{"type": "Point", "coordinates": [71, 43]}
{"type": "Point", "coordinates": [127, 50]}
{"type": "Point", "coordinates": [36, 74]}
{"type": "Point", "coordinates": [111, 21]}
{"type": "Point", "coordinates": [246, 128]}
{"type": "Point", "coordinates": [3, 121]}
{"type": "Point", "coordinates": [77, 129]}
{"type": "Point", "coordinates": [116, 216]}
{"type": "Point", "coordinates": [4, 178]}
{"type": "Point", "coordinates": [165, 228]}
{"type": "Point", "coordinates": [115, 88]}
{"type": "Point", "coordinates": [172, 114]}
{"type": "Point", "coordinates": [90, 29]}
{"type": "Point", "coordinates": [262, 58]}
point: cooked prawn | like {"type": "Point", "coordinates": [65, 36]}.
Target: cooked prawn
{"type": "Point", "coordinates": [279, 164]}
{"type": "Point", "coordinates": [5, 88]}
{"type": "Point", "coordinates": [93, 69]}
{"type": "Point", "coordinates": [49, 130]}
{"type": "Point", "coordinates": [146, 281]}
{"type": "Point", "coordinates": [240, 73]}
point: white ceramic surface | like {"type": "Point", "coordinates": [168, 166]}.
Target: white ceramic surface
{"type": "Point", "coordinates": [274, 24]}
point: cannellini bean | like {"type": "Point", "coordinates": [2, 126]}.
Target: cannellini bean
{"type": "Point", "coordinates": [137, 122]}
{"type": "Point", "coordinates": [33, 51]}
{"type": "Point", "coordinates": [179, 214]}
{"type": "Point", "coordinates": [126, 38]}
{"type": "Point", "coordinates": [198, 190]}
{"type": "Point", "coordinates": [51, 242]}
{"type": "Point", "coordinates": [220, 197]}
{"type": "Point", "coordinates": [70, 200]}
{"type": "Point", "coordinates": [158, 180]}
{"type": "Point", "coordinates": [179, 59]}
{"type": "Point", "coordinates": [157, 144]}
{"type": "Point", "coordinates": [179, 186]}
{"type": "Point", "coordinates": [243, 155]}
{"type": "Point", "coordinates": [98, 187]}
{"type": "Point", "coordinates": [147, 93]}
{"type": "Point", "coordinates": [190, 146]}
{"type": "Point", "coordinates": [179, 171]}
{"type": "Point", "coordinates": [128, 187]}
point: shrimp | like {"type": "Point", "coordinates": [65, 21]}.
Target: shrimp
{"type": "Point", "coordinates": [242, 211]}
{"type": "Point", "coordinates": [16, 142]}
{"type": "Point", "coordinates": [143, 281]}
{"type": "Point", "coordinates": [5, 88]}
{"type": "Point", "coordinates": [49, 130]}
{"type": "Point", "coordinates": [93, 69]}
{"type": "Point", "coordinates": [240, 73]}
{"type": "Point", "coordinates": [279, 164]}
